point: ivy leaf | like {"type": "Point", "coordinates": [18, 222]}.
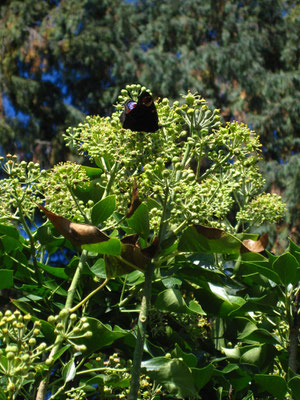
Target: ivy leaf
{"type": "Point", "coordinates": [69, 371]}
{"type": "Point", "coordinates": [173, 374]}
{"type": "Point", "coordinates": [6, 278]}
{"type": "Point", "coordinates": [102, 335]}
{"type": "Point", "coordinates": [103, 209]}
{"type": "Point", "coordinates": [294, 386]}
{"type": "Point", "coordinates": [139, 221]}
{"type": "Point", "coordinates": [203, 239]}
{"type": "Point", "coordinates": [273, 384]}
{"type": "Point", "coordinates": [112, 246]}
{"type": "Point", "coordinates": [286, 267]}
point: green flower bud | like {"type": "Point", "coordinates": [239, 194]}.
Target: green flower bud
{"type": "Point", "coordinates": [27, 317]}
{"type": "Point", "coordinates": [8, 313]}
{"type": "Point", "coordinates": [51, 319]}
{"type": "Point", "coordinates": [11, 387]}
{"type": "Point", "coordinates": [12, 348]}
{"type": "Point", "coordinates": [25, 357]}
{"type": "Point", "coordinates": [64, 313]}
{"type": "Point", "coordinates": [73, 317]}
{"type": "Point", "coordinates": [190, 99]}
{"type": "Point", "coordinates": [49, 361]}
{"type": "Point", "coordinates": [10, 355]}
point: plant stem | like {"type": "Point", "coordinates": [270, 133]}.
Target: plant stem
{"type": "Point", "coordinates": [31, 240]}
{"type": "Point", "coordinates": [141, 333]}
{"type": "Point", "coordinates": [59, 338]}
{"type": "Point", "coordinates": [89, 296]}
{"type": "Point", "coordinates": [77, 204]}
{"type": "Point", "coordinates": [110, 182]}
{"type": "Point", "coordinates": [214, 167]}
{"type": "Point", "coordinates": [294, 333]}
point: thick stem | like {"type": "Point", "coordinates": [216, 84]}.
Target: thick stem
{"type": "Point", "coordinates": [32, 244]}
{"type": "Point", "coordinates": [59, 338]}
{"type": "Point", "coordinates": [294, 334]}
{"type": "Point", "coordinates": [146, 299]}
{"type": "Point", "coordinates": [110, 182]}
{"type": "Point", "coordinates": [141, 333]}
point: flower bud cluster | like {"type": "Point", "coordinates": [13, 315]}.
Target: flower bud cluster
{"type": "Point", "coordinates": [72, 329]}
{"type": "Point", "coordinates": [21, 347]}
{"type": "Point", "coordinates": [264, 207]}
{"type": "Point", "coordinates": [20, 189]}
{"type": "Point", "coordinates": [117, 369]}
{"type": "Point", "coordinates": [76, 394]}
{"type": "Point", "coordinates": [196, 115]}
{"type": "Point", "coordinates": [58, 186]}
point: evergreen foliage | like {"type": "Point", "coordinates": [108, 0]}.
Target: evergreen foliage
{"type": "Point", "coordinates": [243, 57]}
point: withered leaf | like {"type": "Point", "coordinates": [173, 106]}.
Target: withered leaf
{"type": "Point", "coordinates": [256, 246]}
{"type": "Point", "coordinates": [135, 201]}
{"type": "Point", "coordinates": [78, 234]}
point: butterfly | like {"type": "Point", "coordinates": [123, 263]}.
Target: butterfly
{"type": "Point", "coordinates": [140, 116]}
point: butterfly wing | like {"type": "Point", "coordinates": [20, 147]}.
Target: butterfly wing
{"type": "Point", "coordinates": [141, 116]}
{"type": "Point", "coordinates": [129, 105]}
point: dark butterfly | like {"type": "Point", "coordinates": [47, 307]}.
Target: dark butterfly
{"type": "Point", "coordinates": [140, 116]}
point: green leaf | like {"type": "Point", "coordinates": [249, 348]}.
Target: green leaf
{"type": "Point", "coordinates": [189, 358]}
{"type": "Point", "coordinates": [294, 249]}
{"type": "Point", "coordinates": [262, 336]}
{"type": "Point", "coordinates": [230, 304]}
{"type": "Point", "coordinates": [261, 356]}
{"type": "Point", "coordinates": [294, 386]}
{"type": "Point", "coordinates": [151, 203]}
{"type": "Point", "coordinates": [3, 395]}
{"type": "Point", "coordinates": [286, 267]}
{"type": "Point", "coordinates": [171, 300]}
{"type": "Point", "coordinates": [8, 230]}
{"type": "Point", "coordinates": [171, 282]}
{"type": "Point", "coordinates": [229, 368]}
{"type": "Point", "coordinates": [112, 247]}
{"type": "Point", "coordinates": [250, 267]}
{"type": "Point", "coordinates": [173, 374]}
{"type": "Point", "coordinates": [103, 209]}
{"type": "Point", "coordinates": [232, 353]}
{"type": "Point", "coordinates": [196, 239]}
{"type": "Point", "coordinates": [250, 256]}
{"type": "Point", "coordinates": [195, 307]}
{"type": "Point", "coordinates": [55, 271]}
{"type": "Point", "coordinates": [92, 172]}
{"type": "Point", "coordinates": [99, 268]}
{"type": "Point", "coordinates": [202, 375]}
{"type": "Point", "coordinates": [251, 355]}
{"type": "Point", "coordinates": [273, 384]}
{"type": "Point", "coordinates": [102, 335]}
{"type": "Point", "coordinates": [60, 352]}
{"type": "Point", "coordinates": [69, 371]}
{"type": "Point", "coordinates": [10, 244]}
{"type": "Point", "coordinates": [24, 306]}
{"type": "Point", "coordinates": [93, 192]}
{"type": "Point", "coordinates": [139, 221]}
{"type": "Point", "coordinates": [219, 291]}
{"type": "Point", "coordinates": [47, 330]}
{"type": "Point", "coordinates": [6, 278]}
